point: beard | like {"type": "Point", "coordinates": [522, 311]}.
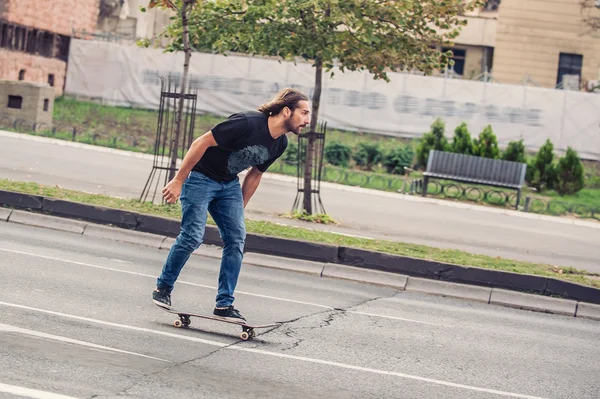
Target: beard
{"type": "Point", "coordinates": [290, 127]}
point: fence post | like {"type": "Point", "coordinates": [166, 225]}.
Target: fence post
{"type": "Point", "coordinates": [527, 203]}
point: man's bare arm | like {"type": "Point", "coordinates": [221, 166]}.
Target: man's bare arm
{"type": "Point", "coordinates": [172, 190]}
{"type": "Point", "coordinates": [251, 182]}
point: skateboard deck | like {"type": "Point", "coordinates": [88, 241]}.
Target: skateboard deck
{"type": "Point", "coordinates": [184, 321]}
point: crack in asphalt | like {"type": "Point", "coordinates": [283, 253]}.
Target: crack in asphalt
{"type": "Point", "coordinates": [331, 315]}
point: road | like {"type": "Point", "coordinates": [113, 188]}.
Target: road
{"type": "Point", "coordinates": [76, 319]}
{"type": "Point", "coordinates": [359, 212]}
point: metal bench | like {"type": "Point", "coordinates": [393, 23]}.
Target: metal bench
{"type": "Point", "coordinates": [476, 170]}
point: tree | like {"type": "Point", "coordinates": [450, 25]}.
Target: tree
{"type": "Point", "coordinates": [183, 8]}
{"type": "Point", "coordinates": [487, 144]}
{"type": "Point", "coordinates": [570, 176]}
{"type": "Point", "coordinates": [542, 172]}
{"type": "Point", "coordinates": [433, 140]}
{"type": "Point", "coordinates": [461, 142]}
{"type": "Point", "coordinates": [590, 9]}
{"type": "Point", "coordinates": [353, 35]}
{"type": "Point", "coordinates": [515, 152]}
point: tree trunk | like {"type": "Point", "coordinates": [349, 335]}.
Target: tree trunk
{"type": "Point", "coordinates": [308, 164]}
{"type": "Point", "coordinates": [186, 66]}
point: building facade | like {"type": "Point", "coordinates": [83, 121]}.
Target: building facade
{"type": "Point", "coordinates": [35, 36]}
{"type": "Point", "coordinates": [542, 42]}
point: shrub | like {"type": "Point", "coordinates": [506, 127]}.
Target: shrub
{"type": "Point", "coordinates": [397, 159]}
{"type": "Point", "coordinates": [541, 172]}
{"type": "Point", "coordinates": [338, 154]}
{"type": "Point", "coordinates": [367, 155]}
{"type": "Point", "coordinates": [569, 173]}
{"type": "Point", "coordinates": [487, 144]}
{"type": "Point", "coordinates": [515, 152]}
{"type": "Point", "coordinates": [461, 142]}
{"type": "Point", "coordinates": [432, 140]}
{"type": "Point", "coordinates": [290, 156]}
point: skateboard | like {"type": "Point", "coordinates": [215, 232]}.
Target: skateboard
{"type": "Point", "coordinates": [247, 329]}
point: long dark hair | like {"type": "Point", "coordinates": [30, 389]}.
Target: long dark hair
{"type": "Point", "coordinates": [285, 98]}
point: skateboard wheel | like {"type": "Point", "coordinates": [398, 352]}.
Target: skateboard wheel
{"type": "Point", "coordinates": [251, 333]}
{"type": "Point", "coordinates": [244, 336]}
{"type": "Point", "coordinates": [177, 323]}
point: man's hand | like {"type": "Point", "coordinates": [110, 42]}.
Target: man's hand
{"type": "Point", "coordinates": [172, 191]}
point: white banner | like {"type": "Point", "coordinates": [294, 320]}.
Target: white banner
{"type": "Point", "coordinates": [404, 107]}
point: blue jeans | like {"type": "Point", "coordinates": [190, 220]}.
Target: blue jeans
{"type": "Point", "coordinates": [225, 203]}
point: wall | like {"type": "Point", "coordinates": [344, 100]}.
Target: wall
{"type": "Point", "coordinates": [33, 95]}
{"type": "Point", "coordinates": [36, 68]}
{"type": "Point", "coordinates": [531, 35]}
{"type": "Point", "coordinates": [57, 16]}
{"type": "Point", "coordinates": [406, 106]}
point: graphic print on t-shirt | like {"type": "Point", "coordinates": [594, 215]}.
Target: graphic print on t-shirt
{"type": "Point", "coordinates": [248, 156]}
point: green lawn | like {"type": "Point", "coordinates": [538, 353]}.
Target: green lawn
{"type": "Point", "coordinates": [306, 234]}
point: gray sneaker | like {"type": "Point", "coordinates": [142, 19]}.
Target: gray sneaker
{"type": "Point", "coordinates": [161, 298]}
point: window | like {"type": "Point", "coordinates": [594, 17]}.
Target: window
{"type": "Point", "coordinates": [33, 41]}
{"type": "Point", "coordinates": [15, 102]}
{"type": "Point", "coordinates": [51, 79]}
{"type": "Point", "coordinates": [569, 64]}
{"type": "Point", "coordinates": [46, 103]}
{"type": "Point", "coordinates": [459, 59]}
{"type": "Point", "coordinates": [491, 5]}
{"type": "Point", "coordinates": [22, 74]}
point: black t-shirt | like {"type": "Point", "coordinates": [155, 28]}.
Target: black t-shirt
{"type": "Point", "coordinates": [243, 140]}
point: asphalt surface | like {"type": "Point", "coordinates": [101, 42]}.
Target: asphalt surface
{"type": "Point", "coordinates": [76, 319]}
{"type": "Point", "coordinates": [366, 213]}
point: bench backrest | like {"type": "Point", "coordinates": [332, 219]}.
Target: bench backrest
{"type": "Point", "coordinates": [473, 167]}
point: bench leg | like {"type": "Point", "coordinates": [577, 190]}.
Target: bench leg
{"type": "Point", "coordinates": [425, 184]}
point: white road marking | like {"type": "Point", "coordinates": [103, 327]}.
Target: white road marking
{"type": "Point", "coordinates": [9, 328]}
{"type": "Point", "coordinates": [279, 355]}
{"type": "Point", "coordinates": [396, 318]}
{"type": "Point", "coordinates": [31, 393]}
{"type": "Point", "coordinates": [213, 288]}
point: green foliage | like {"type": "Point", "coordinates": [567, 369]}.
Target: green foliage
{"type": "Point", "coordinates": [515, 152]}
{"type": "Point", "coordinates": [317, 218]}
{"type": "Point", "coordinates": [487, 144]}
{"type": "Point", "coordinates": [365, 35]}
{"type": "Point", "coordinates": [290, 156]}
{"type": "Point", "coordinates": [368, 155]}
{"type": "Point", "coordinates": [570, 173]}
{"type": "Point", "coordinates": [461, 142]}
{"type": "Point", "coordinates": [397, 159]}
{"type": "Point", "coordinates": [541, 172]}
{"type": "Point", "coordinates": [338, 154]}
{"type": "Point", "coordinates": [433, 140]}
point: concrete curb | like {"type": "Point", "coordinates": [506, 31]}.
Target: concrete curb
{"type": "Point", "coordinates": [48, 222]}
{"type": "Point", "coordinates": [365, 276]}
{"type": "Point", "coordinates": [533, 302]}
{"type": "Point", "coordinates": [324, 260]}
{"type": "Point", "coordinates": [474, 293]}
{"type": "Point", "coordinates": [588, 311]}
{"type": "Point", "coordinates": [118, 234]}
{"type": "Point", "coordinates": [4, 214]}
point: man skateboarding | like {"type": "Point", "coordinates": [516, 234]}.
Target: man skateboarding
{"type": "Point", "coordinates": [208, 182]}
